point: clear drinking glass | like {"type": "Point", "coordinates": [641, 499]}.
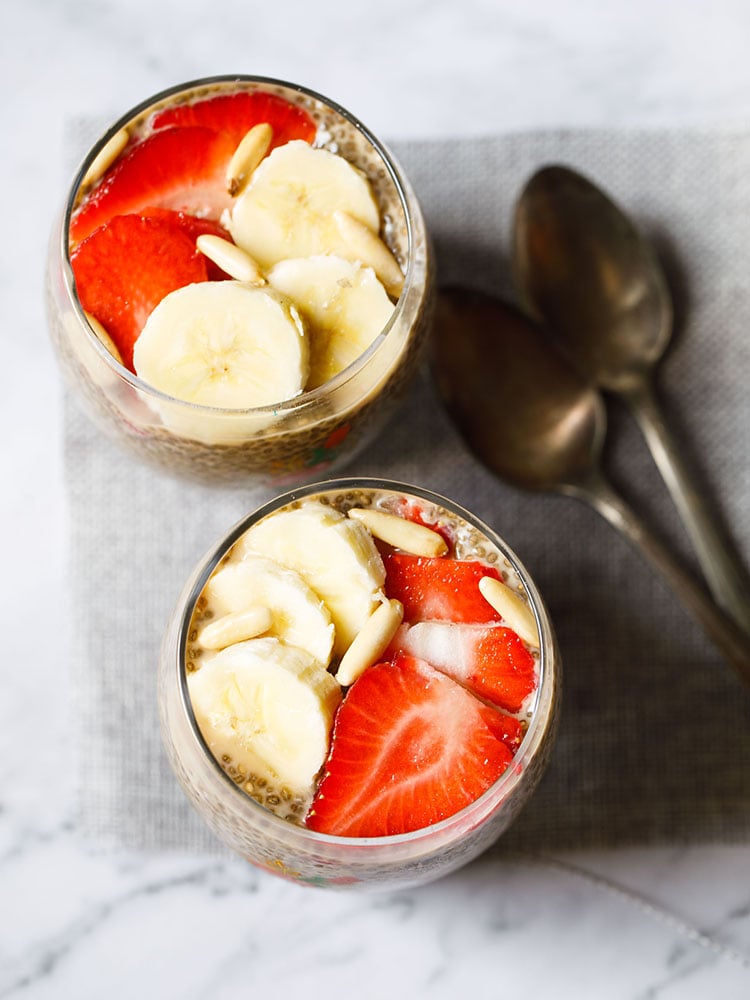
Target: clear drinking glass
{"type": "Point", "coordinates": [311, 858]}
{"type": "Point", "coordinates": [277, 445]}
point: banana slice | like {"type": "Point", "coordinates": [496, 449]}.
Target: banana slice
{"type": "Point", "coordinates": [342, 302]}
{"type": "Point", "coordinates": [298, 616]}
{"type": "Point", "coordinates": [287, 208]}
{"type": "Point", "coordinates": [266, 709]}
{"type": "Point", "coordinates": [333, 554]}
{"type": "Point", "coordinates": [224, 344]}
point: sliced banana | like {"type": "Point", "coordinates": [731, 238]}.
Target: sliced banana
{"type": "Point", "coordinates": [298, 616]}
{"type": "Point", "coordinates": [286, 210]}
{"type": "Point", "coordinates": [334, 555]}
{"type": "Point", "coordinates": [343, 303]}
{"type": "Point", "coordinates": [267, 708]}
{"type": "Point", "coordinates": [224, 344]}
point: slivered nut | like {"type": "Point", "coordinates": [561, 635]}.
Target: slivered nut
{"type": "Point", "coordinates": [106, 156]}
{"type": "Point", "coordinates": [370, 642]}
{"type": "Point", "coordinates": [235, 627]}
{"type": "Point", "coordinates": [416, 539]}
{"type": "Point", "coordinates": [251, 150]}
{"type": "Point", "coordinates": [515, 612]}
{"type": "Point", "coordinates": [366, 246]}
{"type": "Point", "coordinates": [103, 336]}
{"type": "Point", "coordinates": [233, 260]}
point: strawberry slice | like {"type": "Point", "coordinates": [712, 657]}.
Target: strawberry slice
{"type": "Point", "coordinates": [183, 169]}
{"type": "Point", "coordinates": [193, 227]}
{"type": "Point", "coordinates": [490, 660]}
{"type": "Point", "coordinates": [234, 114]}
{"type": "Point", "coordinates": [440, 588]}
{"type": "Point", "coordinates": [126, 267]}
{"type": "Point", "coordinates": [410, 747]}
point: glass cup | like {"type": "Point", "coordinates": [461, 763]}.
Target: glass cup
{"type": "Point", "coordinates": [290, 442]}
{"type": "Point", "coordinates": [295, 852]}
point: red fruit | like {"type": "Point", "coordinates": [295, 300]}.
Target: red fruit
{"type": "Point", "coordinates": [440, 588]}
{"type": "Point", "coordinates": [183, 169]}
{"type": "Point", "coordinates": [410, 747]}
{"type": "Point", "coordinates": [490, 660]}
{"type": "Point", "coordinates": [193, 227]}
{"type": "Point", "coordinates": [234, 114]}
{"type": "Point", "coordinates": [126, 267]}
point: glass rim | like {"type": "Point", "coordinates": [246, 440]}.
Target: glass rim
{"type": "Point", "coordinates": [302, 400]}
{"type": "Point", "coordinates": [538, 724]}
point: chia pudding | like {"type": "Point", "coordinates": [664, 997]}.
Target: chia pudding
{"type": "Point", "coordinates": [332, 400]}
{"type": "Point", "coordinates": [359, 685]}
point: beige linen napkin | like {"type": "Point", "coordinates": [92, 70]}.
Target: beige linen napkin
{"type": "Point", "coordinates": [654, 743]}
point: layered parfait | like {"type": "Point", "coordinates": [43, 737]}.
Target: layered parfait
{"type": "Point", "coordinates": [242, 282]}
{"type": "Point", "coordinates": [361, 663]}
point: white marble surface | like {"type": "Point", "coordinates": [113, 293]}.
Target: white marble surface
{"type": "Point", "coordinates": [77, 922]}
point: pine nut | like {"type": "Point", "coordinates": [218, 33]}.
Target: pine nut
{"type": "Point", "coordinates": [366, 246]}
{"type": "Point", "coordinates": [103, 336]}
{"type": "Point", "coordinates": [235, 627]}
{"type": "Point", "coordinates": [251, 150]}
{"type": "Point", "coordinates": [416, 539]}
{"type": "Point", "coordinates": [106, 156]}
{"type": "Point", "coordinates": [370, 642]}
{"type": "Point", "coordinates": [511, 608]}
{"type": "Point", "coordinates": [233, 260]}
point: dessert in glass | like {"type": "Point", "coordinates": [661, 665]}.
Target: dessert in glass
{"type": "Point", "coordinates": [359, 686]}
{"type": "Point", "coordinates": [240, 282]}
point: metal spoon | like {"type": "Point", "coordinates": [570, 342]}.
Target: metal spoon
{"type": "Point", "coordinates": [530, 418]}
{"type": "Point", "coordinates": [585, 270]}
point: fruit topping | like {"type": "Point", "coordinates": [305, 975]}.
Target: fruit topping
{"type": "Point", "coordinates": [126, 267]}
{"type": "Point", "coordinates": [265, 709]}
{"type": "Point", "coordinates": [491, 660]}
{"type": "Point", "coordinates": [444, 589]}
{"type": "Point", "coordinates": [287, 209]}
{"type": "Point", "coordinates": [183, 169]}
{"type": "Point", "coordinates": [343, 303]}
{"type": "Point", "coordinates": [298, 616]}
{"type": "Point", "coordinates": [410, 748]}
{"type": "Point", "coordinates": [235, 114]}
{"type": "Point", "coordinates": [334, 555]}
{"type": "Point", "coordinates": [224, 344]}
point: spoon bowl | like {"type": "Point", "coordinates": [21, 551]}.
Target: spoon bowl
{"type": "Point", "coordinates": [487, 355]}
{"type": "Point", "coordinates": [586, 271]}
{"type": "Point", "coordinates": [532, 420]}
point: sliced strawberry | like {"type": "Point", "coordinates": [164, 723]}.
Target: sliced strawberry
{"type": "Point", "coordinates": [183, 169]}
{"type": "Point", "coordinates": [193, 227]}
{"type": "Point", "coordinates": [410, 747]}
{"type": "Point", "coordinates": [126, 267]}
{"type": "Point", "coordinates": [491, 660]}
{"type": "Point", "coordinates": [441, 588]}
{"type": "Point", "coordinates": [234, 114]}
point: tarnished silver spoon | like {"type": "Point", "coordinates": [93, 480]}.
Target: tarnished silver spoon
{"type": "Point", "coordinates": [583, 268]}
{"type": "Point", "coordinates": [486, 354]}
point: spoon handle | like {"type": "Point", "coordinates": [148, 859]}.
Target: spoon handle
{"type": "Point", "coordinates": [727, 636]}
{"type": "Point", "coordinates": [721, 567]}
